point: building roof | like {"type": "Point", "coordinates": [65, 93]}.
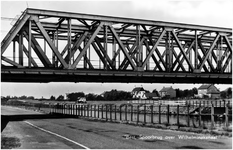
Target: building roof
{"type": "Point", "coordinates": [213, 92]}
{"type": "Point", "coordinates": [205, 86]}
{"type": "Point", "coordinates": [137, 89]}
{"type": "Point", "coordinates": [165, 89]}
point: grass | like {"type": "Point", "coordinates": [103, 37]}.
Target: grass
{"type": "Point", "coordinates": [10, 142]}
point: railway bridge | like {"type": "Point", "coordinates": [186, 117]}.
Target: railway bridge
{"type": "Point", "coordinates": [56, 46]}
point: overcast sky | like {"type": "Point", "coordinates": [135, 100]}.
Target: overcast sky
{"type": "Point", "coordinates": [201, 12]}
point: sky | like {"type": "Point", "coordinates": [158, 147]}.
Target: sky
{"type": "Point", "coordinates": [201, 12]}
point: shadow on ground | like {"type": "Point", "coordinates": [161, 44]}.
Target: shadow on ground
{"type": "Point", "coordinates": [7, 118]}
{"type": "Point", "coordinates": [189, 147]}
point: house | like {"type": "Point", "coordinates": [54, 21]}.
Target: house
{"type": "Point", "coordinates": [139, 93]}
{"type": "Point", "coordinates": [167, 92]}
{"type": "Point", "coordinates": [208, 90]}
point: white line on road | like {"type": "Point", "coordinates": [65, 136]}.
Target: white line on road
{"type": "Point", "coordinates": [57, 135]}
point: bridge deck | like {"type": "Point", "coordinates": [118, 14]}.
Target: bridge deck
{"type": "Point", "coordinates": [48, 75]}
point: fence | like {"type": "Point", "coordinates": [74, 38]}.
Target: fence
{"type": "Point", "coordinates": [189, 116]}
{"type": "Point", "coordinates": [197, 102]}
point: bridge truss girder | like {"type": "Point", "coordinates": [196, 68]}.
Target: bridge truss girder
{"type": "Point", "coordinates": [43, 39]}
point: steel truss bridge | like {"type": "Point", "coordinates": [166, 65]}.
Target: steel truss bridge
{"type": "Point", "coordinates": [55, 46]}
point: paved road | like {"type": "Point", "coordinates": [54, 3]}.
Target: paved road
{"type": "Point", "coordinates": [38, 131]}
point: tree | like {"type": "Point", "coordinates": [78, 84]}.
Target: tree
{"type": "Point", "coordinates": [23, 97]}
{"type": "Point", "coordinates": [74, 96]}
{"type": "Point", "coordinates": [60, 98]}
{"type": "Point", "coordinates": [30, 97]}
{"type": "Point", "coordinates": [91, 96]}
{"type": "Point", "coordinates": [195, 91]}
{"type": "Point", "coordinates": [223, 94]}
{"type": "Point", "coordinates": [117, 95]}
{"type": "Point", "coordinates": [52, 97]}
{"type": "Point", "coordinates": [99, 98]}
{"type": "Point", "coordinates": [229, 92]}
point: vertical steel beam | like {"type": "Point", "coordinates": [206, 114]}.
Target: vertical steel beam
{"type": "Point", "coordinates": [53, 54]}
{"type": "Point", "coordinates": [44, 46]}
{"type": "Point", "coordinates": [21, 48]}
{"type": "Point", "coordinates": [85, 56]}
{"type": "Point", "coordinates": [56, 45]}
{"type": "Point", "coordinates": [191, 59]}
{"type": "Point", "coordinates": [196, 51]}
{"type": "Point", "coordinates": [105, 46]}
{"type": "Point", "coordinates": [147, 53]}
{"type": "Point", "coordinates": [69, 42]}
{"type": "Point", "coordinates": [168, 52]}
{"type": "Point", "coordinates": [114, 52]}
{"type": "Point", "coordinates": [139, 50]}
{"type": "Point", "coordinates": [219, 64]}
{"type": "Point", "coordinates": [14, 50]}
{"type": "Point", "coordinates": [29, 43]}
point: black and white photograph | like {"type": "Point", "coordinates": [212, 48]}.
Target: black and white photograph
{"type": "Point", "coordinates": [117, 74]}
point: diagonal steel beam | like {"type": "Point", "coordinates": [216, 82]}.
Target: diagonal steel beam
{"type": "Point", "coordinates": [182, 49]}
{"type": "Point", "coordinates": [228, 43]}
{"type": "Point", "coordinates": [11, 62]}
{"type": "Point", "coordinates": [13, 32]}
{"type": "Point", "coordinates": [153, 56]}
{"type": "Point", "coordinates": [209, 51]}
{"type": "Point", "coordinates": [132, 51]}
{"type": "Point", "coordinates": [122, 46]}
{"type": "Point", "coordinates": [227, 62]}
{"type": "Point", "coordinates": [105, 55]}
{"type": "Point", "coordinates": [51, 44]}
{"type": "Point", "coordinates": [64, 50]}
{"type": "Point", "coordinates": [38, 50]}
{"type": "Point", "coordinates": [180, 54]}
{"type": "Point", "coordinates": [99, 54]}
{"type": "Point", "coordinates": [86, 46]}
{"type": "Point", "coordinates": [153, 48]}
{"type": "Point", "coordinates": [161, 58]}
{"type": "Point", "coordinates": [200, 59]}
{"type": "Point", "coordinates": [149, 34]}
{"type": "Point", "coordinates": [156, 50]}
{"type": "Point", "coordinates": [27, 54]}
{"type": "Point", "coordinates": [204, 67]}
{"type": "Point", "coordinates": [181, 65]}
{"type": "Point", "coordinates": [87, 59]}
{"type": "Point", "coordinates": [208, 60]}
{"type": "Point", "coordinates": [188, 51]}
{"type": "Point", "coordinates": [76, 45]}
